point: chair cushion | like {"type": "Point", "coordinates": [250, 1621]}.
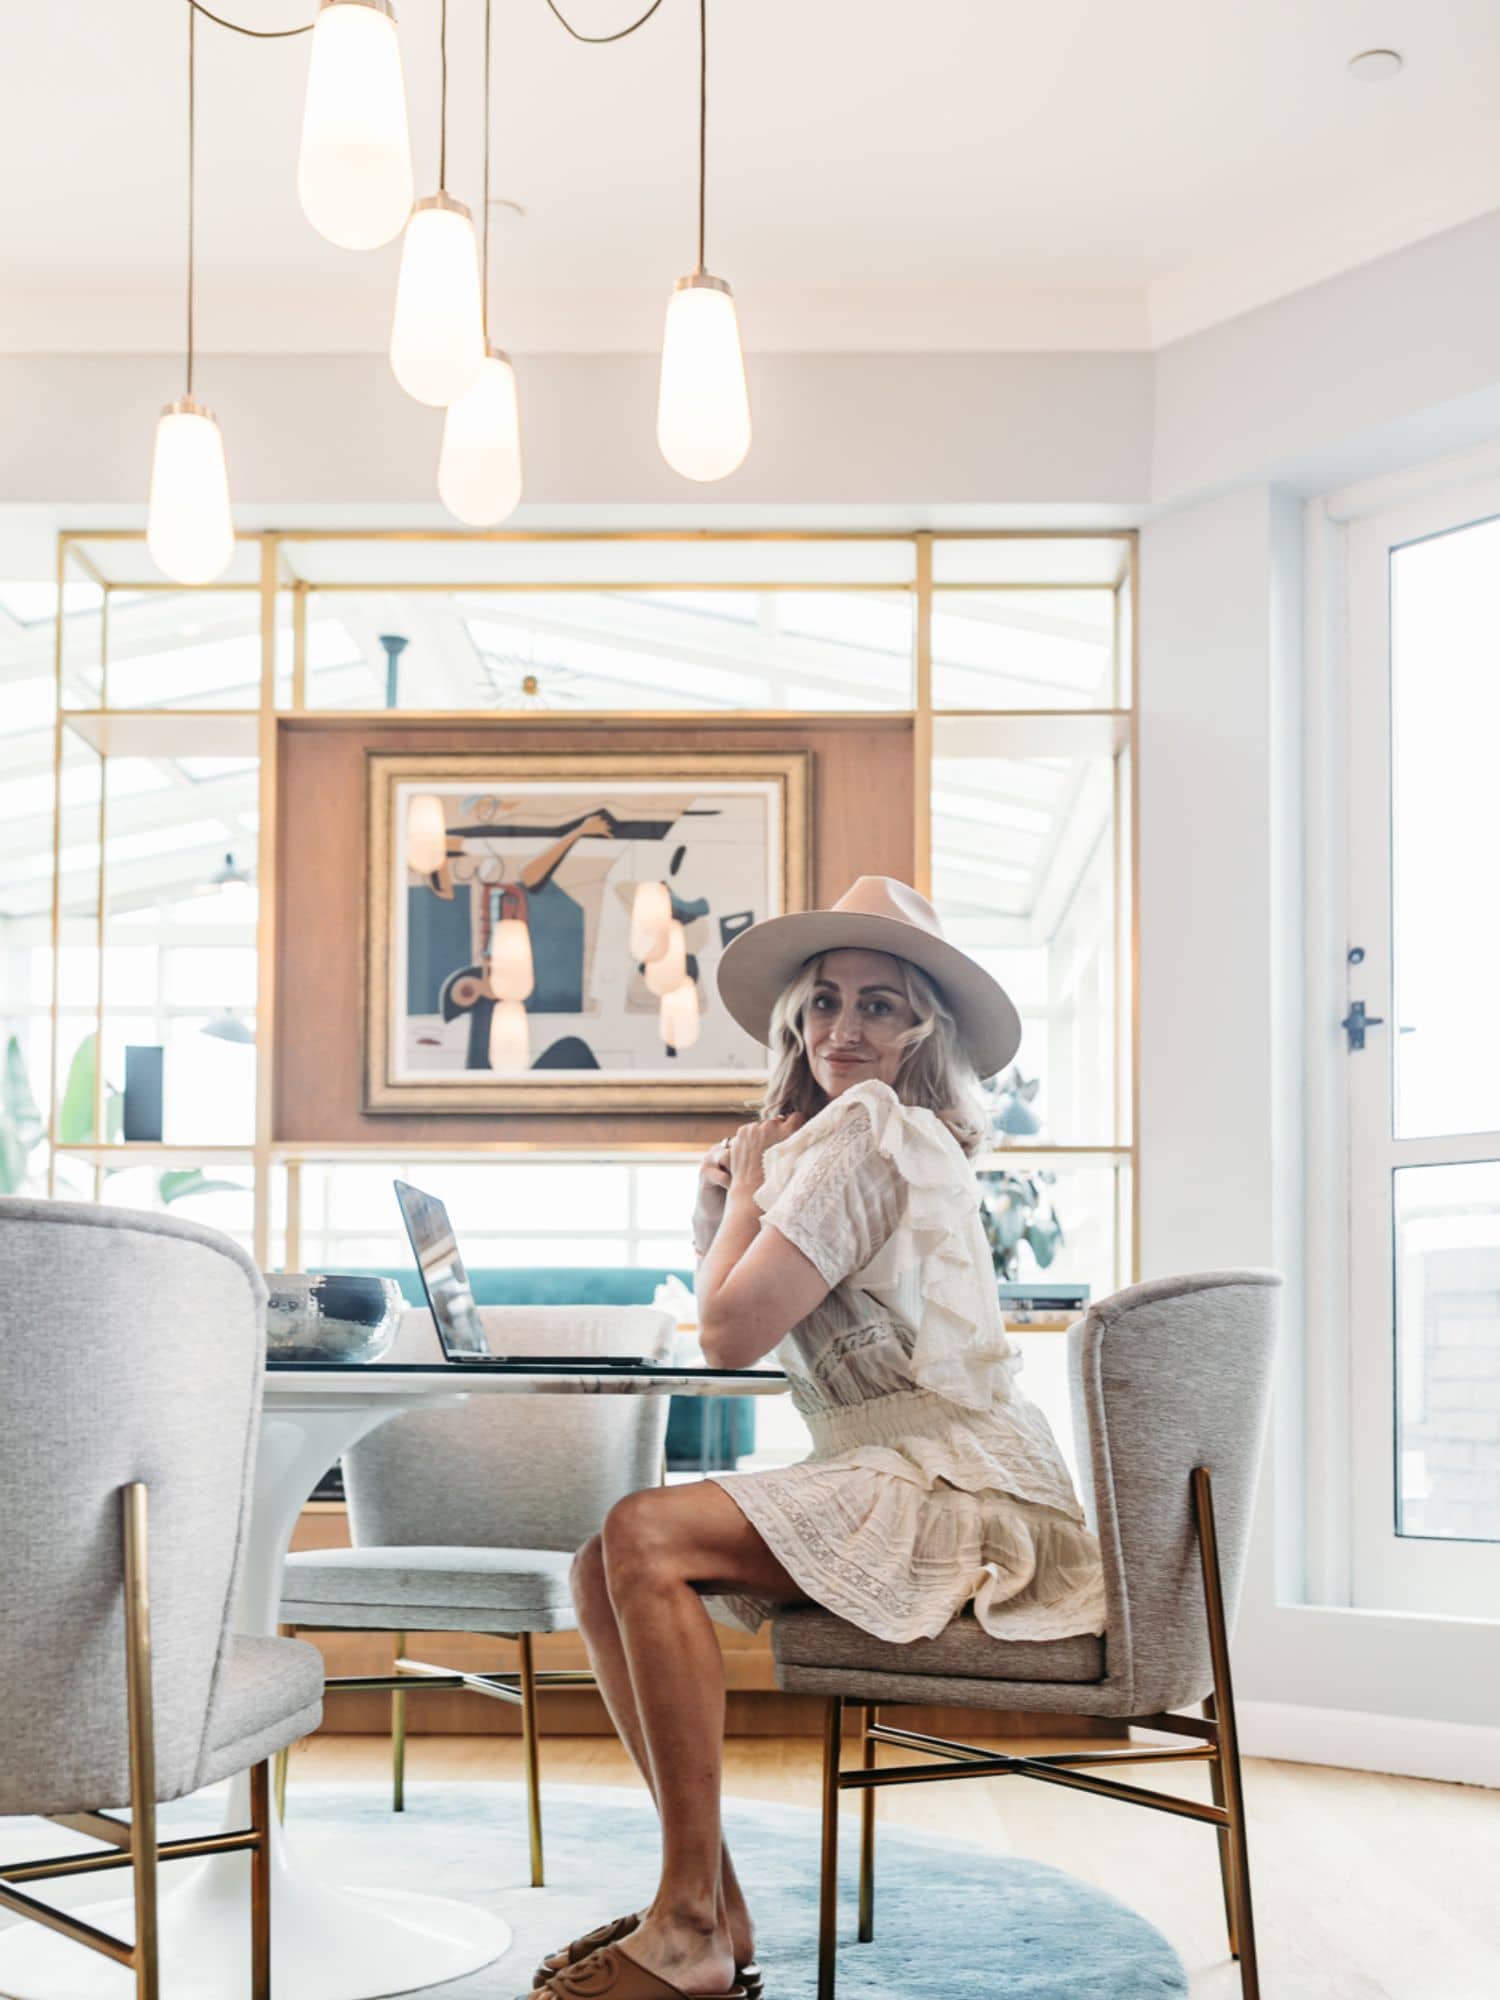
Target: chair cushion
{"type": "Point", "coordinates": [430, 1589]}
{"type": "Point", "coordinates": [815, 1638]}
{"type": "Point", "coordinates": [270, 1694]}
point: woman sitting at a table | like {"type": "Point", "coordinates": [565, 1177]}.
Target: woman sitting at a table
{"type": "Point", "coordinates": [841, 1230]}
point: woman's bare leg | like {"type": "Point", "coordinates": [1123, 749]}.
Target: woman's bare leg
{"type": "Point", "coordinates": [657, 1545]}
{"type": "Point", "coordinates": [606, 1649]}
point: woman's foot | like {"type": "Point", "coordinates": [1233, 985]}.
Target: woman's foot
{"type": "Point", "coordinates": [738, 1925]}
{"type": "Point", "coordinates": [687, 1953]}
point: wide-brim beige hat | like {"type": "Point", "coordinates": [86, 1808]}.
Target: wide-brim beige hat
{"type": "Point", "coordinates": [877, 914]}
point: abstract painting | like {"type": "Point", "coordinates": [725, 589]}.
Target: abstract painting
{"type": "Point", "coordinates": [543, 928]}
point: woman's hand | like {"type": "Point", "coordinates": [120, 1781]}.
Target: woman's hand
{"type": "Point", "coordinates": [747, 1149]}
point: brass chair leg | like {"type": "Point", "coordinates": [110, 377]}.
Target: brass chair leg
{"type": "Point", "coordinates": [279, 1768]}
{"type": "Point", "coordinates": [869, 1715]}
{"type": "Point", "coordinates": [530, 1754]}
{"type": "Point", "coordinates": [1228, 1759]}
{"type": "Point", "coordinates": [828, 1898]}
{"type": "Point", "coordinates": [1226, 1871]}
{"type": "Point", "coordinates": [398, 1737]}
{"type": "Point", "coordinates": [143, 1851]}
{"type": "Point", "coordinates": [260, 1882]}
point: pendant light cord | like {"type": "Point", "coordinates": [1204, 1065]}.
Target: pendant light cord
{"type": "Point", "coordinates": [256, 34]}
{"type": "Point", "coordinates": [484, 247]}
{"type": "Point", "coordinates": [443, 105]}
{"type": "Point", "coordinates": [599, 40]}
{"type": "Point", "coordinates": [284, 34]}
{"type": "Point", "coordinates": [702, 130]}
{"type": "Point", "coordinates": [192, 200]}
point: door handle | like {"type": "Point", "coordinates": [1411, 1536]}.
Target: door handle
{"type": "Point", "coordinates": [1356, 1021]}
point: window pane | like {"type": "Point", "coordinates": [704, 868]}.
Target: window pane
{"type": "Point", "coordinates": [1023, 649]}
{"type": "Point", "coordinates": [1024, 872]}
{"type": "Point", "coordinates": [1445, 722]}
{"type": "Point", "coordinates": [1448, 1351]}
{"type": "Point", "coordinates": [613, 649]}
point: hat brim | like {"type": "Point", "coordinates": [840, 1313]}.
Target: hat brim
{"type": "Point", "coordinates": [757, 967]}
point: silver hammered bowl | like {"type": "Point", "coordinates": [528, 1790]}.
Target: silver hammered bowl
{"type": "Point", "coordinates": [341, 1320]}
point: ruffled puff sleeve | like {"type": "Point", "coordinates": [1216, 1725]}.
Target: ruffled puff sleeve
{"type": "Point", "coordinates": [881, 1191]}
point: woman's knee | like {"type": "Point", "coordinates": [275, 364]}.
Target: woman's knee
{"type": "Point", "coordinates": [635, 1541]}
{"type": "Point", "coordinates": [590, 1591]}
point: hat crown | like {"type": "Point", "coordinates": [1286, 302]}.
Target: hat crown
{"type": "Point", "coordinates": [884, 896]}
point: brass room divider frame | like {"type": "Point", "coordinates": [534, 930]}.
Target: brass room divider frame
{"type": "Point", "coordinates": [117, 561]}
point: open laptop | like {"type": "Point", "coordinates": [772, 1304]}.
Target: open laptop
{"type": "Point", "coordinates": [440, 1266]}
{"type": "Point", "coordinates": [445, 1282]}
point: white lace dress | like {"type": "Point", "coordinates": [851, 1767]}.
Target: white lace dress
{"type": "Point", "coordinates": [934, 1482]}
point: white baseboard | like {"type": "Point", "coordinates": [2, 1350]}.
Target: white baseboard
{"type": "Point", "coordinates": [1462, 1753]}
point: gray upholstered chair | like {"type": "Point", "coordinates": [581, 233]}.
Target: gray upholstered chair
{"type": "Point", "coordinates": [1171, 1386]}
{"type": "Point", "coordinates": [467, 1520]}
{"type": "Point", "coordinates": [132, 1350]}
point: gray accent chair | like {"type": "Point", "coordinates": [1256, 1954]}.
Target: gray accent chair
{"type": "Point", "coordinates": [1171, 1388]}
{"type": "Point", "coordinates": [468, 1519]}
{"type": "Point", "coordinates": [132, 1350]}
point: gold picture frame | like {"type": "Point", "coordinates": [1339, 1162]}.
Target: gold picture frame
{"type": "Point", "coordinates": [511, 821]}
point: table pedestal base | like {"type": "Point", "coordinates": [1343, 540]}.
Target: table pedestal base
{"type": "Point", "coordinates": [327, 1942]}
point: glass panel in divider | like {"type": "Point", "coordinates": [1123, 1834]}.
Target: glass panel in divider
{"type": "Point", "coordinates": [681, 648]}
{"type": "Point", "coordinates": [28, 636]}
{"type": "Point", "coordinates": [197, 649]}
{"type": "Point", "coordinates": [1014, 647]}
{"type": "Point", "coordinates": [1026, 876]}
{"type": "Point", "coordinates": [182, 900]}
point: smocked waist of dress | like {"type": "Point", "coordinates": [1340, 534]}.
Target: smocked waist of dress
{"type": "Point", "coordinates": [905, 1413]}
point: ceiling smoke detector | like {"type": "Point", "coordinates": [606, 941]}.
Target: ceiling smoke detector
{"type": "Point", "coordinates": [1375, 66]}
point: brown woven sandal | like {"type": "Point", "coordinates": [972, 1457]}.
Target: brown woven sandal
{"type": "Point", "coordinates": [750, 1976]}
{"type": "Point", "coordinates": [611, 1974]}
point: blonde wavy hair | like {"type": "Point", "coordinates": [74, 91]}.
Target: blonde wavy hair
{"type": "Point", "coordinates": [935, 1073]}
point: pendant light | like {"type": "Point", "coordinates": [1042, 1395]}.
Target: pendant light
{"type": "Point", "coordinates": [669, 971]}
{"type": "Point", "coordinates": [510, 1036]}
{"type": "Point", "coordinates": [479, 466]}
{"type": "Point", "coordinates": [426, 834]}
{"type": "Point", "coordinates": [703, 410]}
{"type": "Point", "coordinates": [354, 167]}
{"type": "Point", "coordinates": [679, 1016]}
{"type": "Point", "coordinates": [512, 972]}
{"type": "Point", "coordinates": [437, 336]}
{"type": "Point", "coordinates": [189, 522]}
{"type": "Point", "coordinates": [650, 914]}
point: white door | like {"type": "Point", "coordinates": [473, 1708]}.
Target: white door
{"type": "Point", "coordinates": [1424, 1090]}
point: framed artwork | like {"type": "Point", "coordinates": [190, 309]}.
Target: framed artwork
{"type": "Point", "coordinates": [543, 929]}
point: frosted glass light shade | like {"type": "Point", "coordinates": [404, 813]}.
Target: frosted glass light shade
{"type": "Point", "coordinates": [437, 337]}
{"type": "Point", "coordinates": [679, 1016]}
{"type": "Point", "coordinates": [650, 917]}
{"type": "Point", "coordinates": [426, 834]}
{"type": "Point", "coordinates": [663, 973]}
{"type": "Point", "coordinates": [479, 468]}
{"type": "Point", "coordinates": [189, 527]}
{"type": "Point", "coordinates": [703, 410]}
{"type": "Point", "coordinates": [510, 1038]}
{"type": "Point", "coordinates": [512, 973]}
{"type": "Point", "coordinates": [354, 168]}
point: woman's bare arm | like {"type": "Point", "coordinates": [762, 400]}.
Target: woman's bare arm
{"type": "Point", "coordinates": [753, 1285]}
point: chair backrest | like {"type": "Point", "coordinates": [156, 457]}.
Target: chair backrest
{"type": "Point", "coordinates": [1168, 1376]}
{"type": "Point", "coordinates": [132, 1348]}
{"type": "Point", "coordinates": [512, 1471]}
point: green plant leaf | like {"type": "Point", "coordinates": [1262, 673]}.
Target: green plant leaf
{"type": "Point", "coordinates": [192, 1180]}
{"type": "Point", "coordinates": [17, 1105]}
{"type": "Point", "coordinates": [75, 1116]}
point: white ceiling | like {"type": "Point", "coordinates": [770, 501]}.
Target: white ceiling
{"type": "Point", "coordinates": [958, 174]}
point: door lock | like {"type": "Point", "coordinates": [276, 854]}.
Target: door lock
{"type": "Point", "coordinates": [1356, 1021]}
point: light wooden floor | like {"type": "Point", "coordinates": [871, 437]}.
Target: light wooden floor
{"type": "Point", "coordinates": [1366, 1887]}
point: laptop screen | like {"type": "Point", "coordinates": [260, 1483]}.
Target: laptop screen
{"type": "Point", "coordinates": [444, 1278]}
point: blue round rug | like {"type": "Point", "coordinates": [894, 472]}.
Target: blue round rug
{"type": "Point", "coordinates": [950, 1923]}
